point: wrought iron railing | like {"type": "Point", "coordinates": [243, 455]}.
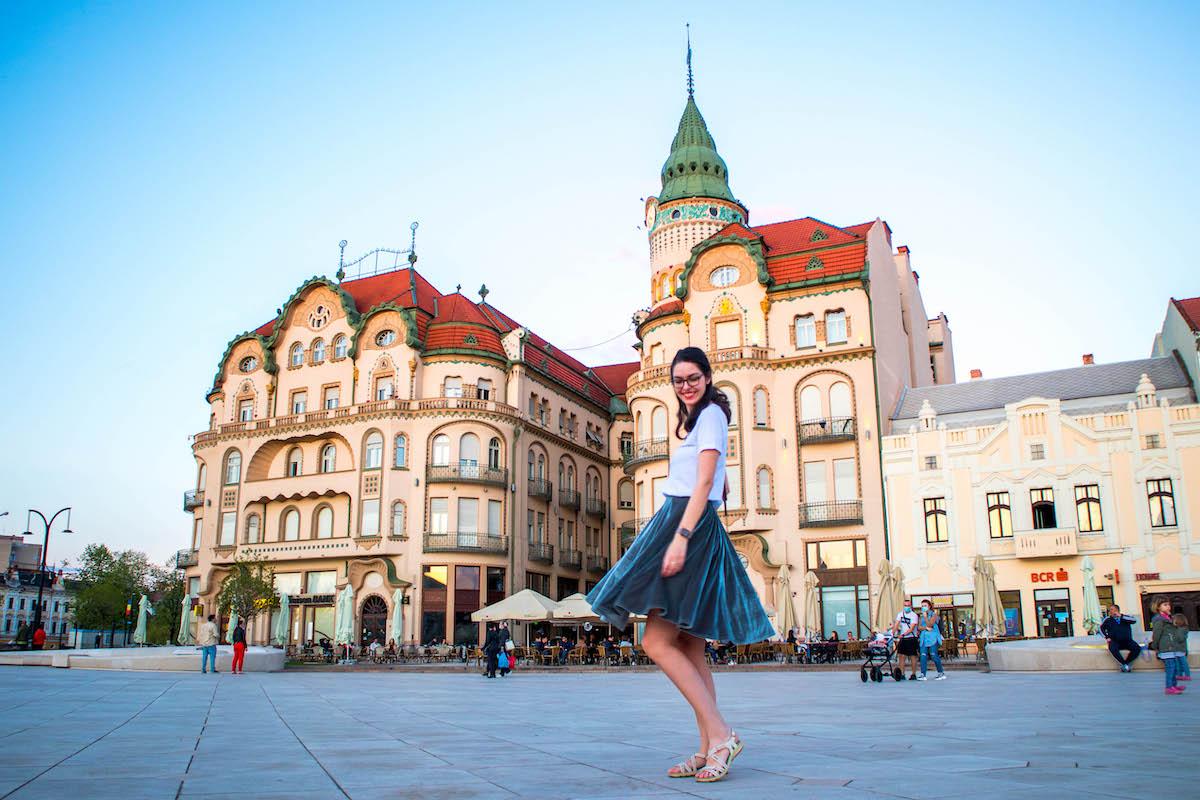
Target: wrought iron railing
{"type": "Point", "coordinates": [628, 532]}
{"type": "Point", "coordinates": [570, 558]}
{"type": "Point", "coordinates": [541, 552]}
{"type": "Point", "coordinates": [568, 498]}
{"type": "Point", "coordinates": [826, 514]}
{"type": "Point", "coordinates": [598, 564]}
{"type": "Point", "coordinates": [541, 489]}
{"type": "Point", "coordinates": [186, 558]}
{"type": "Point", "coordinates": [465, 542]}
{"type": "Point", "coordinates": [596, 507]}
{"type": "Point", "coordinates": [193, 499]}
{"type": "Point", "coordinates": [644, 451]}
{"type": "Point", "coordinates": [466, 472]}
{"type": "Point", "coordinates": [828, 429]}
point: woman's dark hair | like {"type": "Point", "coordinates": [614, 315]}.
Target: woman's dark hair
{"type": "Point", "coordinates": [683, 420]}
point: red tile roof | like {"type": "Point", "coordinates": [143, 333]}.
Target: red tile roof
{"type": "Point", "coordinates": [841, 260]}
{"type": "Point", "coordinates": [616, 376]}
{"type": "Point", "coordinates": [672, 306]}
{"type": "Point", "coordinates": [790, 248]}
{"type": "Point", "coordinates": [1189, 309]}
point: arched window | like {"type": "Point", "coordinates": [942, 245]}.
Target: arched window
{"type": "Point", "coordinates": [468, 450]}
{"type": "Point", "coordinates": [340, 346]}
{"type": "Point", "coordinates": [532, 460]}
{"type": "Point", "coordinates": [640, 425]}
{"type": "Point", "coordinates": [291, 525]}
{"type": "Point", "coordinates": [400, 450]}
{"type": "Point", "coordinates": [494, 453]}
{"type": "Point", "coordinates": [318, 351]}
{"type": "Point", "coordinates": [452, 387]}
{"type": "Point", "coordinates": [732, 395]}
{"type": "Point", "coordinates": [373, 452]}
{"type": "Point", "coordinates": [562, 421]}
{"type": "Point", "coordinates": [666, 286]}
{"type": "Point", "coordinates": [839, 400]}
{"type": "Point", "coordinates": [233, 468]}
{"type": "Point", "coordinates": [441, 450]}
{"type": "Point", "coordinates": [295, 463]}
{"type": "Point", "coordinates": [398, 518]}
{"type": "Point", "coordinates": [252, 529]}
{"type": "Point", "coordinates": [296, 356]}
{"type": "Point", "coordinates": [810, 404]}
{"type": "Point", "coordinates": [561, 474]}
{"type": "Point", "coordinates": [658, 423]}
{"type": "Point", "coordinates": [761, 415]}
{"type": "Point", "coordinates": [202, 476]}
{"type": "Point", "coordinates": [764, 488]}
{"type": "Point", "coordinates": [541, 466]}
{"type": "Point", "coordinates": [483, 389]}
{"type": "Point", "coordinates": [328, 458]}
{"type": "Point", "coordinates": [324, 528]}
{"type": "Point", "coordinates": [570, 476]}
{"type": "Point", "coordinates": [625, 494]}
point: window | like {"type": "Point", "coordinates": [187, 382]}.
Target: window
{"type": "Point", "coordinates": [441, 450]}
{"type": "Point", "coordinates": [532, 474]}
{"type": "Point", "coordinates": [810, 404]}
{"type": "Point", "coordinates": [845, 481]}
{"type": "Point", "coordinates": [398, 518]}
{"type": "Point", "coordinates": [245, 410]}
{"type": "Point", "coordinates": [728, 334]}
{"type": "Point", "coordinates": [764, 488]}
{"type": "Point", "coordinates": [626, 444]}
{"type": "Point", "coordinates": [936, 530]}
{"type": "Point", "coordinates": [340, 346]}
{"type": "Point", "coordinates": [814, 482]}
{"type": "Point", "coordinates": [468, 515]}
{"type": "Point", "coordinates": [400, 451]}
{"type": "Point", "coordinates": [931, 462]}
{"type": "Point", "coordinates": [323, 582]}
{"type": "Point", "coordinates": [529, 520]}
{"type": "Point", "coordinates": [533, 406]}
{"type": "Point", "coordinates": [452, 387]}
{"type": "Point", "coordinates": [1152, 441]}
{"type": "Point", "coordinates": [562, 422]}
{"type": "Point", "coordinates": [369, 523]}
{"type": "Point", "coordinates": [494, 453]}
{"type": "Point", "coordinates": [468, 450]}
{"type": "Point", "coordinates": [385, 338]}
{"type": "Point", "coordinates": [248, 364]}
{"type": "Point", "coordinates": [723, 276]}
{"type": "Point", "coordinates": [1162, 503]}
{"type": "Point", "coordinates": [373, 454]}
{"type": "Point", "coordinates": [295, 462]}
{"type": "Point", "coordinates": [384, 389]}
{"type": "Point", "coordinates": [252, 529]}
{"type": "Point", "coordinates": [233, 468]}
{"type": "Point", "coordinates": [328, 458]}
{"type": "Point", "coordinates": [840, 405]}
{"type": "Point", "coordinates": [657, 354]}
{"type": "Point", "coordinates": [1043, 508]}
{"type": "Point", "coordinates": [658, 423]}
{"type": "Point", "coordinates": [318, 351]}
{"type": "Point", "coordinates": [835, 327]}
{"type": "Point", "coordinates": [331, 398]}
{"type": "Point", "coordinates": [761, 417]}
{"type": "Point", "coordinates": [806, 331]}
{"type": "Point", "coordinates": [439, 515]}
{"type": "Point", "coordinates": [296, 355]}
{"type": "Point", "coordinates": [291, 525]}
{"type": "Point", "coordinates": [197, 531]}
{"type": "Point", "coordinates": [999, 515]}
{"type": "Point", "coordinates": [1037, 451]}
{"type": "Point", "coordinates": [1011, 600]}
{"type": "Point", "coordinates": [1087, 509]}
{"type": "Point", "coordinates": [495, 525]}
{"type": "Point", "coordinates": [734, 476]}
{"type": "Point", "coordinates": [625, 495]}
{"type": "Point", "coordinates": [837, 554]}
{"type": "Point", "coordinates": [299, 402]}
{"type": "Point", "coordinates": [324, 523]}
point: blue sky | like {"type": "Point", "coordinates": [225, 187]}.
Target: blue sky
{"type": "Point", "coordinates": [171, 172]}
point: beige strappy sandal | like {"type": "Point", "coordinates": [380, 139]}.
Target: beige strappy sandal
{"type": "Point", "coordinates": [717, 767]}
{"type": "Point", "coordinates": [687, 768]}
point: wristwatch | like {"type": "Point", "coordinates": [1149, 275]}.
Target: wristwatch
{"type": "Point", "coordinates": [685, 532]}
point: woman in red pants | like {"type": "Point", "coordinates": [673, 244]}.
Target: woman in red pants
{"type": "Point", "coordinates": [239, 647]}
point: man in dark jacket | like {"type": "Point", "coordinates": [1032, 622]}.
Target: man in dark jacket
{"type": "Point", "coordinates": [1118, 632]}
{"type": "Point", "coordinates": [491, 649]}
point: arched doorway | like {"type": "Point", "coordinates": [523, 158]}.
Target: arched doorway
{"type": "Point", "coordinates": [374, 620]}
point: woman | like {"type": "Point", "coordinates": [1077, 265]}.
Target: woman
{"type": "Point", "coordinates": [930, 639]}
{"type": "Point", "coordinates": [682, 570]}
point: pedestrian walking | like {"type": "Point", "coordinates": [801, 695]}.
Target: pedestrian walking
{"type": "Point", "coordinates": [682, 570]}
{"type": "Point", "coordinates": [239, 648]}
{"type": "Point", "coordinates": [206, 639]}
{"type": "Point", "coordinates": [22, 636]}
{"type": "Point", "coordinates": [907, 629]}
{"type": "Point", "coordinates": [1170, 642]}
{"type": "Point", "coordinates": [491, 648]}
{"type": "Point", "coordinates": [929, 640]}
{"type": "Point", "coordinates": [1118, 632]}
{"type": "Point", "coordinates": [39, 637]}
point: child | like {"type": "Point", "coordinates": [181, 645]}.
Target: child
{"type": "Point", "coordinates": [1170, 641]}
{"type": "Point", "coordinates": [1183, 672]}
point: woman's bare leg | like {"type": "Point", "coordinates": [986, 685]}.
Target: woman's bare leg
{"type": "Point", "coordinates": [693, 648]}
{"type": "Point", "coordinates": [662, 644]}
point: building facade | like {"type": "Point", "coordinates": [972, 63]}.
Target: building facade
{"type": "Point", "coordinates": [1180, 336]}
{"type": "Point", "coordinates": [22, 562]}
{"type": "Point", "coordinates": [1037, 473]}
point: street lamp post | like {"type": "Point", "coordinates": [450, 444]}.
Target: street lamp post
{"type": "Point", "coordinates": [37, 609]}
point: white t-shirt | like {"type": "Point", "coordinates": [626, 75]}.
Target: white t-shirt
{"type": "Point", "coordinates": [711, 433]}
{"type": "Point", "coordinates": [908, 623]}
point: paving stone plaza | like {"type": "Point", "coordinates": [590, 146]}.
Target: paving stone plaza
{"type": "Point", "coordinates": [304, 736]}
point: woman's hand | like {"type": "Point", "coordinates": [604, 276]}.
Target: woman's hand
{"type": "Point", "coordinates": [674, 557]}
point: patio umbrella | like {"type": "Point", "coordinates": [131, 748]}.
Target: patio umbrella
{"type": "Point", "coordinates": [184, 636]}
{"type": "Point", "coordinates": [898, 586]}
{"type": "Point", "coordinates": [343, 623]}
{"type": "Point", "coordinates": [398, 616]}
{"type": "Point", "coordinates": [812, 606]}
{"type": "Point", "coordinates": [989, 611]}
{"type": "Point", "coordinates": [524, 605]}
{"type": "Point", "coordinates": [1093, 615]}
{"type": "Point", "coordinates": [886, 607]}
{"type": "Point", "coordinates": [785, 609]}
{"type": "Point", "coordinates": [279, 636]}
{"type": "Point", "coordinates": [233, 620]}
{"type": "Point", "coordinates": [139, 633]}
{"type": "Point", "coordinates": [574, 608]}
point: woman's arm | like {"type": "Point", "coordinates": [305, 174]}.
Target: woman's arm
{"type": "Point", "coordinates": [706, 468]}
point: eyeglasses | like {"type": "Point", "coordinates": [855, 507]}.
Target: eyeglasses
{"type": "Point", "coordinates": [691, 380]}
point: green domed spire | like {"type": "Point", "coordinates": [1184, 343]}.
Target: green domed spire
{"type": "Point", "coordinates": [694, 168]}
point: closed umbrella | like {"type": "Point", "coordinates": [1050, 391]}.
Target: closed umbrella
{"type": "Point", "coordinates": [233, 620]}
{"type": "Point", "coordinates": [898, 587]}
{"type": "Point", "coordinates": [184, 636]}
{"type": "Point", "coordinates": [886, 607]}
{"type": "Point", "coordinates": [989, 610]}
{"type": "Point", "coordinates": [785, 609]}
{"type": "Point", "coordinates": [398, 616]}
{"type": "Point", "coordinates": [812, 606]}
{"type": "Point", "coordinates": [1093, 615]}
{"type": "Point", "coordinates": [343, 623]}
{"type": "Point", "coordinates": [279, 636]}
{"type": "Point", "coordinates": [139, 633]}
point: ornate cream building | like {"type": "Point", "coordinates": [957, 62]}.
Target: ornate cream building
{"type": "Point", "coordinates": [380, 433]}
{"type": "Point", "coordinates": [1037, 473]}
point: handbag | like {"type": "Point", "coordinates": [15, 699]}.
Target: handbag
{"type": "Point", "coordinates": [508, 645]}
{"type": "Point", "coordinates": [503, 661]}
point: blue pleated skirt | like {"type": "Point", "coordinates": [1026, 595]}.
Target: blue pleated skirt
{"type": "Point", "coordinates": [711, 597]}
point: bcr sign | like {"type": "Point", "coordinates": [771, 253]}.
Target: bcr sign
{"type": "Point", "coordinates": [1049, 577]}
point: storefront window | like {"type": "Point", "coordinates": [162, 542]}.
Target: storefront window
{"type": "Point", "coordinates": [321, 582]}
{"type": "Point", "coordinates": [433, 603]}
{"type": "Point", "coordinates": [1053, 607]}
{"type": "Point", "coordinates": [495, 585]}
{"type": "Point", "coordinates": [839, 554]}
{"type": "Point", "coordinates": [1013, 625]}
{"type": "Point", "coordinates": [288, 583]}
{"type": "Point", "coordinates": [466, 601]}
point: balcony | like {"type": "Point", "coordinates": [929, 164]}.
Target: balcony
{"type": "Point", "coordinates": [186, 558]}
{"type": "Point", "coordinates": [541, 552]}
{"type": "Point", "coordinates": [597, 564]}
{"type": "Point", "coordinates": [828, 429]}
{"type": "Point", "coordinates": [595, 506]}
{"type": "Point", "coordinates": [540, 489]}
{"type": "Point", "coordinates": [1046, 543]}
{"type": "Point", "coordinates": [830, 514]}
{"type": "Point", "coordinates": [465, 542]}
{"type": "Point", "coordinates": [466, 472]}
{"type": "Point", "coordinates": [645, 451]}
{"type": "Point", "coordinates": [572, 559]}
{"type": "Point", "coordinates": [193, 499]}
{"type": "Point", "coordinates": [568, 498]}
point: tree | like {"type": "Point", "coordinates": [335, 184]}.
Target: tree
{"type": "Point", "coordinates": [167, 592]}
{"type": "Point", "coordinates": [107, 582]}
{"type": "Point", "coordinates": [249, 589]}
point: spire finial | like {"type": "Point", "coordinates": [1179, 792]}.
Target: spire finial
{"type": "Point", "coordinates": [341, 272]}
{"type": "Point", "coordinates": [412, 247]}
{"type": "Point", "coordinates": [691, 82]}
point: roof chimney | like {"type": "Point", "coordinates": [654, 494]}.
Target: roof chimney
{"type": "Point", "coordinates": [903, 249]}
{"type": "Point", "coordinates": [976, 374]}
{"type": "Point", "coordinates": [1088, 360]}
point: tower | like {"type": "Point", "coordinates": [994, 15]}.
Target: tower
{"type": "Point", "coordinates": [695, 201]}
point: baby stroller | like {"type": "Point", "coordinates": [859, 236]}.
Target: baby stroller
{"type": "Point", "coordinates": [879, 661]}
